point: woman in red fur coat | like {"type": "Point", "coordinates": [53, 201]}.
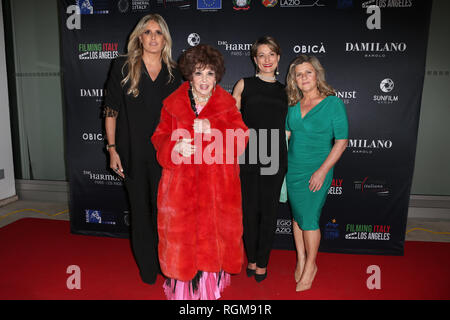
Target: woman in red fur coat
{"type": "Point", "coordinates": [198, 140]}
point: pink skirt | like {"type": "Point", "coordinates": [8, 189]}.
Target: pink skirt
{"type": "Point", "coordinates": [209, 287]}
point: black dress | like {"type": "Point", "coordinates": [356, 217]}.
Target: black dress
{"type": "Point", "coordinates": [264, 108]}
{"type": "Point", "coordinates": [137, 119]}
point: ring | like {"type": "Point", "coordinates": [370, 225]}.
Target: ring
{"type": "Point", "coordinates": [116, 170]}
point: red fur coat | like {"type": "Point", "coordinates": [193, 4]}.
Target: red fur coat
{"type": "Point", "coordinates": [199, 204]}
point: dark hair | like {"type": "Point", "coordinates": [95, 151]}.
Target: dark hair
{"type": "Point", "coordinates": [202, 56]}
{"type": "Point", "coordinates": [269, 41]}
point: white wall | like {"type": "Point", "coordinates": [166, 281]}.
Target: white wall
{"type": "Point", "coordinates": [7, 183]}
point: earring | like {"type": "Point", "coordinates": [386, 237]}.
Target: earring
{"type": "Point", "coordinates": [276, 72]}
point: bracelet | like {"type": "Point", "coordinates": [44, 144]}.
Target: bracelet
{"type": "Point", "coordinates": [110, 146]}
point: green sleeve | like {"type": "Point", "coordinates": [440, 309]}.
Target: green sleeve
{"type": "Point", "coordinates": [340, 121]}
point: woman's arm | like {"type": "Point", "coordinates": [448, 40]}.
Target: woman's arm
{"type": "Point", "coordinates": [318, 177]}
{"type": "Point", "coordinates": [113, 103]}
{"type": "Point", "coordinates": [114, 158]}
{"type": "Point", "coordinates": [237, 92]}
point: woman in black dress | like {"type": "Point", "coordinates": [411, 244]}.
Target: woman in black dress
{"type": "Point", "coordinates": [262, 101]}
{"type": "Point", "coordinates": [138, 83]}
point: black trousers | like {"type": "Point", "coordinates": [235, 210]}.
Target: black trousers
{"type": "Point", "coordinates": [260, 203]}
{"type": "Point", "coordinates": [142, 191]}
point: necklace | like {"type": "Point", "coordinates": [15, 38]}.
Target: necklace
{"type": "Point", "coordinates": [273, 78]}
{"type": "Point", "coordinates": [201, 99]}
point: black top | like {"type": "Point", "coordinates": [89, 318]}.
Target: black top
{"type": "Point", "coordinates": [137, 117]}
{"type": "Point", "coordinates": [264, 106]}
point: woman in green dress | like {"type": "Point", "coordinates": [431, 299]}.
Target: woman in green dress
{"type": "Point", "coordinates": [317, 128]}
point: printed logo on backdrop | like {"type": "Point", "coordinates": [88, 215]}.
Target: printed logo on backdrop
{"type": "Point", "coordinates": [331, 231]}
{"type": "Point", "coordinates": [367, 232]}
{"type": "Point", "coordinates": [243, 5]}
{"type": "Point", "coordinates": [301, 3]}
{"type": "Point", "coordinates": [92, 137]}
{"type": "Point", "coordinates": [181, 4]}
{"type": "Point", "coordinates": [86, 6]}
{"type": "Point", "coordinates": [193, 39]}
{"type": "Point", "coordinates": [235, 49]}
{"type": "Point", "coordinates": [98, 51]}
{"type": "Point", "coordinates": [99, 216]}
{"type": "Point", "coordinates": [346, 96]}
{"type": "Point", "coordinates": [370, 186]}
{"type": "Point", "coordinates": [269, 3]}
{"type": "Point", "coordinates": [125, 6]}
{"type": "Point", "coordinates": [336, 187]}
{"type": "Point", "coordinates": [376, 49]}
{"type": "Point", "coordinates": [388, 3]}
{"type": "Point", "coordinates": [209, 5]}
{"type": "Point", "coordinates": [310, 49]}
{"type": "Point", "coordinates": [102, 178]}
{"type": "Point", "coordinates": [368, 146]}
{"type": "Point", "coordinates": [386, 86]}
{"type": "Point", "coordinates": [96, 94]}
{"type": "Point", "coordinates": [93, 7]}
{"type": "Point", "coordinates": [284, 226]}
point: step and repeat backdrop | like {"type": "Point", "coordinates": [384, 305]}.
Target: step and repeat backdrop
{"type": "Point", "coordinates": [374, 56]}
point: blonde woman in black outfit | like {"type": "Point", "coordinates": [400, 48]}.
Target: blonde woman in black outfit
{"type": "Point", "coordinates": [137, 85]}
{"type": "Point", "coordinates": [262, 101]}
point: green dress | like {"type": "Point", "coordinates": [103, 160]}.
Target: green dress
{"type": "Point", "coordinates": [309, 145]}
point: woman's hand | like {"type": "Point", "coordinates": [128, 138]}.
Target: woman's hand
{"type": "Point", "coordinates": [318, 177]}
{"type": "Point", "coordinates": [115, 163]}
{"type": "Point", "coordinates": [316, 180]}
{"type": "Point", "coordinates": [202, 126]}
{"type": "Point", "coordinates": [184, 147]}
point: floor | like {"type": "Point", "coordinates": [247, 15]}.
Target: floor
{"type": "Point", "coordinates": [417, 229]}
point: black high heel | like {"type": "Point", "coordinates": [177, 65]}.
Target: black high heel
{"type": "Point", "coordinates": [260, 277]}
{"type": "Point", "coordinates": [250, 272]}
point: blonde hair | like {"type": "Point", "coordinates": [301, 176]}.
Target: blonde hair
{"type": "Point", "coordinates": [293, 92]}
{"type": "Point", "coordinates": [135, 51]}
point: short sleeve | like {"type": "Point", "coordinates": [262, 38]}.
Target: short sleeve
{"type": "Point", "coordinates": [114, 90]}
{"type": "Point", "coordinates": [340, 121]}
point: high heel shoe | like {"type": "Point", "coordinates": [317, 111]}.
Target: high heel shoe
{"type": "Point", "coordinates": [250, 272]}
{"type": "Point", "coordinates": [260, 277]}
{"type": "Point", "coordinates": [303, 287]}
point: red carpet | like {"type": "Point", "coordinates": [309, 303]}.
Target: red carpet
{"type": "Point", "coordinates": [35, 255]}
